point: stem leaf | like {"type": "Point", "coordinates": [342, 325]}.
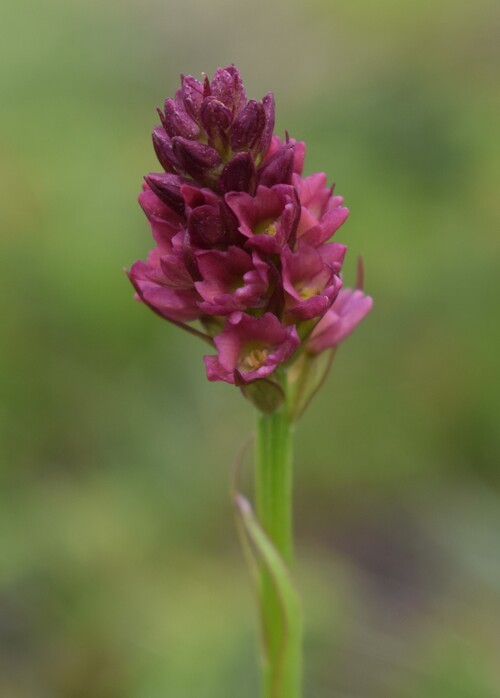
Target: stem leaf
{"type": "Point", "coordinates": [287, 679]}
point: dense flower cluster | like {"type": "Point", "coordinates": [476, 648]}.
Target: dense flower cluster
{"type": "Point", "coordinates": [242, 238]}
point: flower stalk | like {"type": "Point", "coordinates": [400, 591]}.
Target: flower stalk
{"type": "Point", "coordinates": [281, 638]}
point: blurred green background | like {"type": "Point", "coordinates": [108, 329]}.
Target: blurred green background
{"type": "Point", "coordinates": [120, 571]}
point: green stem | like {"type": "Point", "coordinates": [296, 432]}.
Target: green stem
{"type": "Point", "coordinates": [273, 489]}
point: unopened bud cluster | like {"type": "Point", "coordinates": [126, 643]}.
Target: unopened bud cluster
{"type": "Point", "coordinates": [242, 238]}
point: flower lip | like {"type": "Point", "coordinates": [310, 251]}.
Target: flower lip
{"type": "Point", "coordinates": [267, 219]}
{"type": "Point", "coordinates": [251, 346]}
{"type": "Point", "coordinates": [311, 279]}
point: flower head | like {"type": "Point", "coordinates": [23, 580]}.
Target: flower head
{"type": "Point", "coordinates": [242, 237]}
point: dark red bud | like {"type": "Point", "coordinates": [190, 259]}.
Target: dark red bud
{"type": "Point", "coordinates": [231, 224]}
{"type": "Point", "coordinates": [164, 151]}
{"type": "Point", "coordinates": [222, 87]}
{"type": "Point", "coordinates": [279, 168]}
{"type": "Point", "coordinates": [177, 122]}
{"type": "Point", "coordinates": [239, 174]}
{"type": "Point", "coordinates": [267, 133]}
{"type": "Point", "coordinates": [247, 129]}
{"type": "Point", "coordinates": [167, 187]}
{"type": "Point", "coordinates": [195, 158]}
{"type": "Point", "coordinates": [206, 87]}
{"type": "Point", "coordinates": [240, 98]}
{"type": "Point", "coordinates": [216, 119]}
{"type": "Point", "coordinates": [192, 95]}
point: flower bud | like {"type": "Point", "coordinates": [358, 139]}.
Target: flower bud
{"type": "Point", "coordinates": [164, 151]}
{"type": "Point", "coordinates": [192, 95]}
{"type": "Point", "coordinates": [167, 188]}
{"type": "Point", "coordinates": [267, 132]}
{"type": "Point", "coordinates": [247, 129]}
{"type": "Point", "coordinates": [177, 122]}
{"type": "Point", "coordinates": [279, 168]}
{"type": "Point", "coordinates": [216, 118]}
{"type": "Point", "coordinates": [196, 159]}
{"type": "Point", "coordinates": [227, 87]}
{"type": "Point", "coordinates": [238, 175]}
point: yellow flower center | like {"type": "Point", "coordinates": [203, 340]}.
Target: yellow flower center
{"type": "Point", "coordinates": [267, 227]}
{"type": "Point", "coordinates": [306, 292]}
{"type": "Point", "coordinates": [254, 359]}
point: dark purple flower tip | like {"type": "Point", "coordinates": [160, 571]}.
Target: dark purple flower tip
{"type": "Point", "coordinates": [153, 206]}
{"type": "Point", "coordinates": [177, 122]}
{"type": "Point", "coordinates": [299, 152]}
{"type": "Point", "coordinates": [196, 159]}
{"type": "Point", "coordinates": [177, 304]}
{"type": "Point", "coordinates": [267, 131]}
{"type": "Point", "coordinates": [192, 95]}
{"type": "Point", "coordinates": [216, 119]}
{"type": "Point", "coordinates": [253, 346]}
{"type": "Point", "coordinates": [248, 127]}
{"type": "Point", "coordinates": [194, 196]}
{"type": "Point", "coordinates": [167, 187]}
{"type": "Point", "coordinates": [310, 283]}
{"type": "Point", "coordinates": [164, 151]}
{"type": "Point", "coordinates": [232, 280]}
{"type": "Point", "coordinates": [238, 175]}
{"type": "Point", "coordinates": [278, 169]}
{"type": "Point", "coordinates": [206, 227]}
{"type": "Point", "coordinates": [340, 320]}
{"type": "Point", "coordinates": [227, 86]}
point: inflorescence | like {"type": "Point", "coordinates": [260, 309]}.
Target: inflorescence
{"type": "Point", "coordinates": [242, 237]}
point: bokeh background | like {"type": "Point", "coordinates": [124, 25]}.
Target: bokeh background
{"type": "Point", "coordinates": [120, 571]}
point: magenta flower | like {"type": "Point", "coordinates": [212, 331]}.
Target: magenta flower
{"type": "Point", "coordinates": [268, 219]}
{"type": "Point", "coordinates": [242, 237]}
{"type": "Point", "coordinates": [311, 280]}
{"type": "Point", "coordinates": [250, 348]}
